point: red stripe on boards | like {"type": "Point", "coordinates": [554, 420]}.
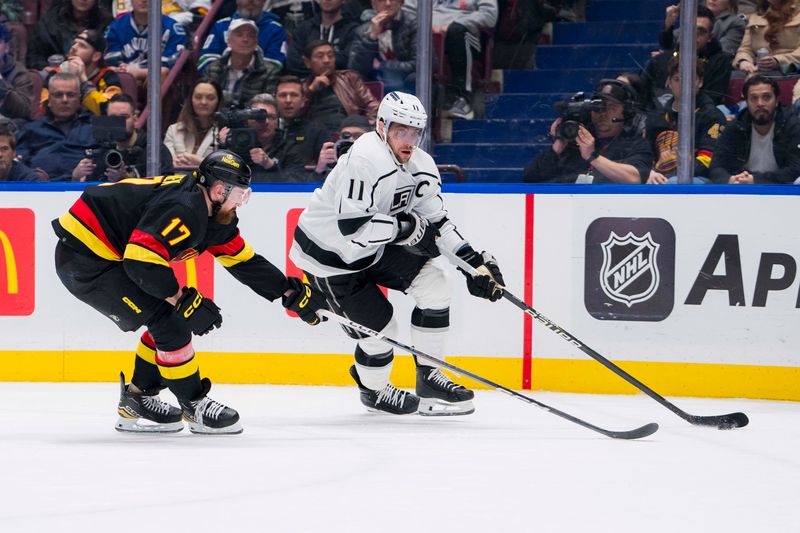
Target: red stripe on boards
{"type": "Point", "coordinates": [527, 335]}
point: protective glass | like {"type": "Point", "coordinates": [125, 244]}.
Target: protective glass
{"type": "Point", "coordinates": [405, 134]}
{"type": "Point", "coordinates": [239, 196]}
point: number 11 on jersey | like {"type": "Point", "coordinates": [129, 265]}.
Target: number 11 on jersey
{"type": "Point", "coordinates": [352, 190]}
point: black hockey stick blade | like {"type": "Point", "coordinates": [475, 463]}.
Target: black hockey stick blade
{"type": "Point", "coordinates": [729, 421]}
{"type": "Point", "coordinates": [638, 433]}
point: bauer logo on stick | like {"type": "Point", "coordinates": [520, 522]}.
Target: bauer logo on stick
{"type": "Point", "coordinates": [629, 269]}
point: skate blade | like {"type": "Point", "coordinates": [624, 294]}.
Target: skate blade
{"type": "Point", "coordinates": [199, 429]}
{"type": "Point", "coordinates": [382, 412]}
{"type": "Point", "coordinates": [434, 407]}
{"type": "Point", "coordinates": [139, 425]}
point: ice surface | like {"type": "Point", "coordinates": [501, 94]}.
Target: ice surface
{"type": "Point", "coordinates": [311, 459]}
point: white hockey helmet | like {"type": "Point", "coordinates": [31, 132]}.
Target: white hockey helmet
{"type": "Point", "coordinates": [402, 108]}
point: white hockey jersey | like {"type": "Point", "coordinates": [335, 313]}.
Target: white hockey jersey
{"type": "Point", "coordinates": [352, 216]}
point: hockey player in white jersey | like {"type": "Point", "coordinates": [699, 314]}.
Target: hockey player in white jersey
{"type": "Point", "coordinates": [379, 219]}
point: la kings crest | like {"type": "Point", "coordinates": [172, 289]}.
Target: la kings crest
{"type": "Point", "coordinates": [629, 274]}
{"type": "Point", "coordinates": [629, 269]}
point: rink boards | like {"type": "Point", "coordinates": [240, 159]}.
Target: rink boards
{"type": "Point", "coordinates": [694, 294]}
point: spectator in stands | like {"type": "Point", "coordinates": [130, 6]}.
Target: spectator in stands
{"type": "Point", "coordinates": [271, 35]}
{"type": "Point", "coordinates": [99, 82]}
{"type": "Point", "coordinates": [662, 129]}
{"type": "Point", "coordinates": [242, 71]}
{"type": "Point", "coordinates": [127, 42]}
{"type": "Point", "coordinates": [185, 12]}
{"type": "Point", "coordinates": [328, 25]}
{"type": "Point", "coordinates": [330, 94]}
{"type": "Point", "coordinates": [350, 130]}
{"type": "Point", "coordinates": [58, 141]}
{"type": "Point", "coordinates": [761, 146]}
{"type": "Point", "coordinates": [717, 68]}
{"type": "Point", "coordinates": [605, 152]}
{"type": "Point", "coordinates": [133, 149]}
{"type": "Point", "coordinates": [299, 139]}
{"type": "Point", "coordinates": [264, 164]}
{"type": "Point", "coordinates": [10, 168]}
{"type": "Point", "coordinates": [775, 26]}
{"type": "Point", "coordinates": [58, 27]}
{"type": "Point", "coordinates": [292, 12]}
{"type": "Point", "coordinates": [194, 135]}
{"type": "Point", "coordinates": [385, 47]}
{"type": "Point", "coordinates": [461, 24]}
{"type": "Point", "coordinates": [639, 120]}
{"type": "Point", "coordinates": [15, 84]}
{"type": "Point", "coordinates": [728, 25]}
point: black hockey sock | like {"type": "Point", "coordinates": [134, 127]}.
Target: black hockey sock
{"type": "Point", "coordinates": [188, 388]}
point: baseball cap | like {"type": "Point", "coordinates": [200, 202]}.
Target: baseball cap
{"type": "Point", "coordinates": [238, 23]}
{"type": "Point", "coordinates": [612, 91]}
{"type": "Point", "coordinates": [94, 38]}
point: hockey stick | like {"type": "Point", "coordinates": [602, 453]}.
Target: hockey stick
{"type": "Point", "coordinates": [729, 421]}
{"type": "Point", "coordinates": [638, 433]}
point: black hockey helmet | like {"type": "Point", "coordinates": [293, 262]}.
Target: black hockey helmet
{"type": "Point", "coordinates": [226, 167]}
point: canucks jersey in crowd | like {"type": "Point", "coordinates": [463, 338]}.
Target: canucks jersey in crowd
{"type": "Point", "coordinates": [271, 40]}
{"type": "Point", "coordinates": [127, 43]}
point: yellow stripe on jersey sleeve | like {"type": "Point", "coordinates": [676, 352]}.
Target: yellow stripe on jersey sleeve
{"type": "Point", "coordinates": [82, 233]}
{"type": "Point", "coordinates": [228, 261]}
{"type": "Point", "coordinates": [245, 254]}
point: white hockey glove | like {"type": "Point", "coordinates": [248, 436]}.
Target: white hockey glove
{"type": "Point", "coordinates": [417, 235]}
{"type": "Point", "coordinates": [489, 283]}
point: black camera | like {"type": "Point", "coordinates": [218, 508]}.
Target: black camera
{"type": "Point", "coordinates": [107, 131]}
{"type": "Point", "coordinates": [344, 144]}
{"type": "Point", "coordinates": [241, 138]}
{"type": "Point", "coordinates": [576, 112]}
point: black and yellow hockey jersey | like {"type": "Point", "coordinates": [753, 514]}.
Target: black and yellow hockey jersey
{"type": "Point", "coordinates": [146, 223]}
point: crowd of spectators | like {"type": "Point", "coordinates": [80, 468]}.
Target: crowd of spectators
{"type": "Point", "coordinates": [280, 81]}
{"type": "Point", "coordinates": [276, 82]}
{"type": "Point", "coordinates": [631, 135]}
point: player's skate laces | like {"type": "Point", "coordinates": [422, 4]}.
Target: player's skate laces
{"type": "Point", "coordinates": [144, 412]}
{"type": "Point", "coordinates": [208, 416]}
{"type": "Point", "coordinates": [440, 396]}
{"type": "Point", "coordinates": [389, 399]}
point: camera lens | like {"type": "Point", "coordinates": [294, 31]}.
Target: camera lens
{"type": "Point", "coordinates": [113, 159]}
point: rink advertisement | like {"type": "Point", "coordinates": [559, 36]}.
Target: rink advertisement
{"type": "Point", "coordinates": [694, 294]}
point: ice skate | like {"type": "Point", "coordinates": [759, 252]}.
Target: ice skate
{"type": "Point", "coordinates": [209, 417]}
{"type": "Point", "coordinates": [144, 412]}
{"type": "Point", "coordinates": [439, 396]}
{"type": "Point", "coordinates": [389, 399]}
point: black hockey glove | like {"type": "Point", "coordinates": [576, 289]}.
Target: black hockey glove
{"type": "Point", "coordinates": [417, 235]}
{"type": "Point", "coordinates": [202, 313]}
{"type": "Point", "coordinates": [489, 282]}
{"type": "Point", "coordinates": [304, 301]}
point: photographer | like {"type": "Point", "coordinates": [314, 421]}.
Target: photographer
{"type": "Point", "coordinates": [121, 154]}
{"type": "Point", "coordinates": [350, 130]}
{"type": "Point", "coordinates": [251, 134]}
{"type": "Point", "coordinates": [591, 143]}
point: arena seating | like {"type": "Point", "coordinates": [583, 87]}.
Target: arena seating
{"type": "Point", "coordinates": [517, 120]}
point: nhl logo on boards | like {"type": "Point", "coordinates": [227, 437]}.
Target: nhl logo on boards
{"type": "Point", "coordinates": [629, 269]}
{"type": "Point", "coordinates": [629, 274]}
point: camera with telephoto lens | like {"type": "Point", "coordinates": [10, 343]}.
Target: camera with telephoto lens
{"type": "Point", "coordinates": [107, 131]}
{"type": "Point", "coordinates": [241, 138]}
{"type": "Point", "coordinates": [576, 112]}
{"type": "Point", "coordinates": [344, 144]}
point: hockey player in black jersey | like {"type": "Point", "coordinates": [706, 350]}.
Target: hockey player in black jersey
{"type": "Point", "coordinates": [378, 220]}
{"type": "Point", "coordinates": [115, 245]}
